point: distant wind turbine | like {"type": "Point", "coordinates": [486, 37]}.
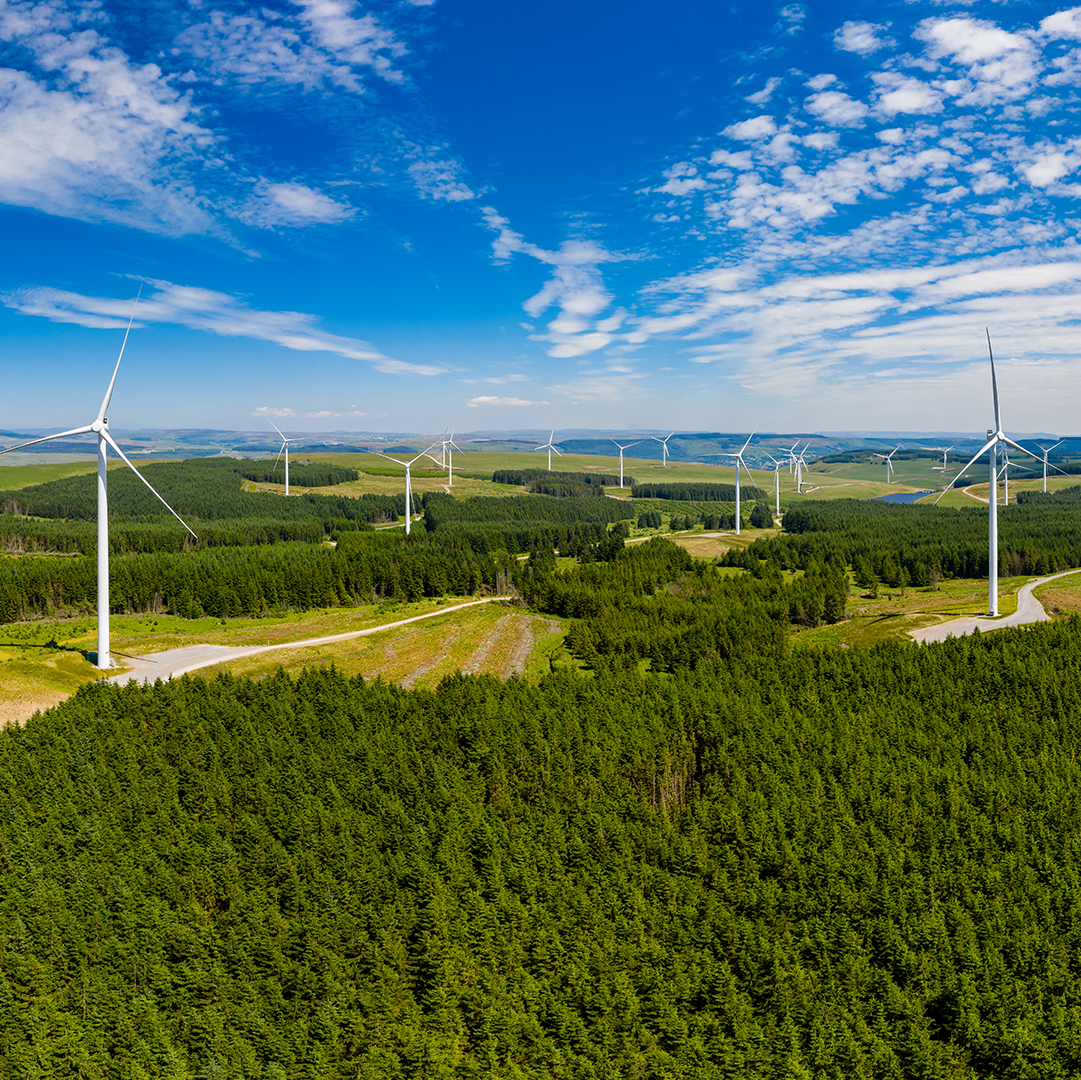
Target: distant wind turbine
{"type": "Point", "coordinates": [888, 459]}
{"type": "Point", "coordinates": [792, 458]}
{"type": "Point", "coordinates": [549, 447]}
{"type": "Point", "coordinates": [621, 449]}
{"type": "Point", "coordinates": [945, 450]}
{"type": "Point", "coordinates": [100, 428]}
{"type": "Point", "coordinates": [739, 461]}
{"type": "Point", "coordinates": [408, 482]}
{"type": "Point", "coordinates": [777, 466]}
{"type": "Point", "coordinates": [446, 457]}
{"type": "Point", "coordinates": [664, 448]}
{"type": "Point", "coordinates": [285, 448]}
{"type": "Point", "coordinates": [996, 438]}
{"type": "Point", "coordinates": [1047, 450]}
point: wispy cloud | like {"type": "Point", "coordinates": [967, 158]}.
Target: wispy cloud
{"type": "Point", "coordinates": [320, 414]}
{"type": "Point", "coordinates": [576, 288]}
{"type": "Point", "coordinates": [204, 309]}
{"type": "Point", "coordinates": [512, 402]}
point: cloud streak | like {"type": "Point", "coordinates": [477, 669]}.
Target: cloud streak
{"type": "Point", "coordinates": [210, 311]}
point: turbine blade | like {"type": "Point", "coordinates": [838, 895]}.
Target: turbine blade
{"type": "Point", "coordinates": [112, 382]}
{"type": "Point", "coordinates": [280, 452]}
{"type": "Point", "coordinates": [979, 453]}
{"type": "Point", "coordinates": [1018, 446]}
{"type": "Point", "coordinates": [48, 438]}
{"type": "Point", "coordinates": [389, 458]}
{"type": "Point", "coordinates": [747, 443]}
{"type": "Point", "coordinates": [124, 458]}
{"type": "Point", "coordinates": [558, 453]}
{"type": "Point", "coordinates": [994, 380]}
{"type": "Point", "coordinates": [277, 429]}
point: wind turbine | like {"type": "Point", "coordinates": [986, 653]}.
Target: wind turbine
{"type": "Point", "coordinates": [799, 469]}
{"type": "Point", "coordinates": [1046, 451]}
{"type": "Point", "coordinates": [408, 483]}
{"type": "Point", "coordinates": [100, 428]}
{"type": "Point", "coordinates": [549, 447]}
{"type": "Point", "coordinates": [446, 457]}
{"type": "Point", "coordinates": [664, 448]}
{"type": "Point", "coordinates": [995, 438]}
{"type": "Point", "coordinates": [739, 461]}
{"type": "Point", "coordinates": [887, 458]}
{"type": "Point", "coordinates": [945, 450]}
{"type": "Point", "coordinates": [285, 448]}
{"type": "Point", "coordinates": [777, 466]}
{"type": "Point", "coordinates": [792, 458]}
{"type": "Point", "coordinates": [621, 449]}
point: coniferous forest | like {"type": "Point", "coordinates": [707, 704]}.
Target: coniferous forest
{"type": "Point", "coordinates": [698, 850]}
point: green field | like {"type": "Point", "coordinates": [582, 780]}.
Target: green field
{"type": "Point", "coordinates": [23, 475]}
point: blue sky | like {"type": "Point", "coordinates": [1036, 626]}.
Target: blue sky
{"type": "Point", "coordinates": [404, 216]}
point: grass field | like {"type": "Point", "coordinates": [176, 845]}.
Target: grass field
{"type": "Point", "coordinates": [23, 474]}
{"type": "Point", "coordinates": [1061, 597]}
{"type": "Point", "coordinates": [892, 615]}
{"type": "Point", "coordinates": [41, 663]}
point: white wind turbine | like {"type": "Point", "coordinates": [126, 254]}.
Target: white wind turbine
{"type": "Point", "coordinates": [888, 459]}
{"type": "Point", "coordinates": [945, 450]}
{"type": "Point", "coordinates": [664, 448]}
{"type": "Point", "coordinates": [285, 449]}
{"type": "Point", "coordinates": [777, 466]}
{"type": "Point", "coordinates": [621, 449]}
{"type": "Point", "coordinates": [100, 428]}
{"type": "Point", "coordinates": [792, 458]}
{"type": "Point", "coordinates": [996, 438]}
{"type": "Point", "coordinates": [407, 465]}
{"type": "Point", "coordinates": [799, 469]}
{"type": "Point", "coordinates": [1047, 450]}
{"type": "Point", "coordinates": [739, 461]}
{"type": "Point", "coordinates": [549, 447]}
{"type": "Point", "coordinates": [446, 457]}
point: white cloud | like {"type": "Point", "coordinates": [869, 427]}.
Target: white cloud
{"type": "Point", "coordinates": [902, 94]}
{"type": "Point", "coordinates": [838, 108]}
{"type": "Point", "coordinates": [96, 138]}
{"type": "Point", "coordinates": [861, 37]}
{"type": "Point", "coordinates": [204, 309]}
{"type": "Point", "coordinates": [761, 127]}
{"type": "Point", "coordinates": [253, 50]}
{"type": "Point", "coordinates": [320, 414]}
{"type": "Point", "coordinates": [763, 95]}
{"type": "Point", "coordinates": [1063, 25]}
{"type": "Point", "coordinates": [358, 40]}
{"type": "Point", "coordinates": [440, 180]}
{"type": "Point", "coordinates": [1001, 66]}
{"type": "Point", "coordinates": [575, 287]}
{"type": "Point", "coordinates": [513, 402]}
{"type": "Point", "coordinates": [275, 205]}
{"type": "Point", "coordinates": [791, 18]}
{"type": "Point", "coordinates": [681, 179]}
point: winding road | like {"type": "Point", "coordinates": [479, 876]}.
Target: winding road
{"type": "Point", "coordinates": [172, 663]}
{"type": "Point", "coordinates": [1029, 610]}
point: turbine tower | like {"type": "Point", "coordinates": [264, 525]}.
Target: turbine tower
{"type": "Point", "coordinates": [996, 438]}
{"type": "Point", "coordinates": [944, 451]}
{"type": "Point", "coordinates": [739, 461]}
{"type": "Point", "coordinates": [664, 448]}
{"type": "Point", "coordinates": [549, 447]}
{"type": "Point", "coordinates": [792, 458]}
{"type": "Point", "coordinates": [100, 428]}
{"type": "Point", "coordinates": [621, 449]}
{"type": "Point", "coordinates": [1046, 451]}
{"type": "Point", "coordinates": [408, 482]}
